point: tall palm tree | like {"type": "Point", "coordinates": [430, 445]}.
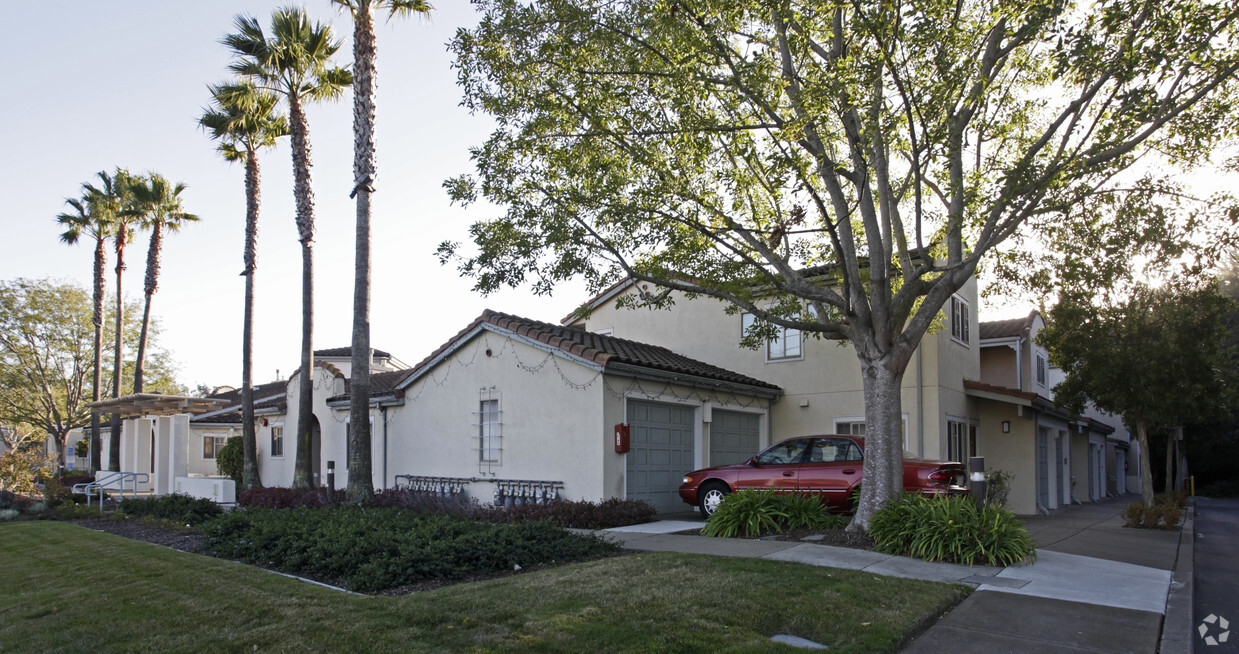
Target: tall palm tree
{"type": "Point", "coordinates": [157, 205]}
{"type": "Point", "coordinates": [89, 220]}
{"type": "Point", "coordinates": [113, 197]}
{"type": "Point", "coordinates": [360, 476]}
{"type": "Point", "coordinates": [295, 63]}
{"type": "Point", "coordinates": [244, 120]}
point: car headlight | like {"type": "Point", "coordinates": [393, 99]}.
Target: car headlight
{"type": "Point", "coordinates": [686, 479]}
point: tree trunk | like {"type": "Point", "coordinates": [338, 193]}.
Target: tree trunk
{"type": "Point", "coordinates": [360, 473]}
{"type": "Point", "coordinates": [152, 284]}
{"type": "Point", "coordinates": [299, 131]}
{"type": "Point", "coordinates": [1169, 481]}
{"type": "Point", "coordinates": [250, 477]}
{"type": "Point", "coordinates": [883, 466]}
{"type": "Point", "coordinates": [1146, 466]}
{"type": "Point", "coordinates": [303, 477]}
{"type": "Point", "coordinates": [114, 424]}
{"type": "Point", "coordinates": [97, 377]}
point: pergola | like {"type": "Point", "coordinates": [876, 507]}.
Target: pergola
{"type": "Point", "coordinates": [155, 404]}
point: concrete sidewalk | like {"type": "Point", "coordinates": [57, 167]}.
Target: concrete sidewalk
{"type": "Point", "coordinates": [1095, 587]}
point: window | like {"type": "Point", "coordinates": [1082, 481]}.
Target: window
{"type": "Point", "coordinates": [831, 450]}
{"type": "Point", "coordinates": [277, 441]}
{"type": "Point", "coordinates": [855, 426]}
{"type": "Point", "coordinates": [1040, 369]}
{"type": "Point", "coordinates": [961, 441]}
{"type": "Point", "coordinates": [786, 343]}
{"type": "Point", "coordinates": [785, 453]}
{"type": "Point", "coordinates": [959, 319]}
{"type": "Point", "coordinates": [488, 431]}
{"type": "Point", "coordinates": [211, 445]}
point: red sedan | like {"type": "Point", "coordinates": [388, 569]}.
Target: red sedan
{"type": "Point", "coordinates": [828, 466]}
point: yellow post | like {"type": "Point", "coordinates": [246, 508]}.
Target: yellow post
{"type": "Point", "coordinates": [1193, 478]}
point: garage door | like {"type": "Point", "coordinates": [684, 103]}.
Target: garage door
{"type": "Point", "coordinates": [661, 452]}
{"type": "Point", "coordinates": [734, 437]}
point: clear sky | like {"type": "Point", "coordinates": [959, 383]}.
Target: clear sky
{"type": "Point", "coordinates": [96, 85]}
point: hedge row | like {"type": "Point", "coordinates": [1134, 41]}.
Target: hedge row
{"type": "Point", "coordinates": [376, 549]}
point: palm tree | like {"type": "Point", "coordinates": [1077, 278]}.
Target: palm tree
{"type": "Point", "coordinates": [244, 120]}
{"type": "Point", "coordinates": [295, 63]}
{"type": "Point", "coordinates": [113, 198]}
{"type": "Point", "coordinates": [360, 477]}
{"type": "Point", "coordinates": [157, 204]}
{"type": "Point", "coordinates": [88, 220]}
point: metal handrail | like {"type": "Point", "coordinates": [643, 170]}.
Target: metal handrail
{"type": "Point", "coordinates": [113, 481]}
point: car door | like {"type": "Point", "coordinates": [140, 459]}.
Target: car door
{"type": "Point", "coordinates": [775, 469]}
{"type": "Point", "coordinates": [831, 469]}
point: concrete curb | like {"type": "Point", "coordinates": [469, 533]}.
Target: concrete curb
{"type": "Point", "coordinates": [1177, 633]}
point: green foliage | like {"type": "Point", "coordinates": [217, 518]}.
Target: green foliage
{"type": "Point", "coordinates": [375, 549]}
{"type": "Point", "coordinates": [22, 470]}
{"type": "Point", "coordinates": [82, 448]}
{"type": "Point", "coordinates": [751, 513]}
{"type": "Point", "coordinates": [998, 486]}
{"type": "Point", "coordinates": [1167, 510]}
{"type": "Point", "coordinates": [70, 510]}
{"type": "Point", "coordinates": [282, 498]}
{"type": "Point", "coordinates": [230, 460]}
{"type": "Point", "coordinates": [578, 514]}
{"type": "Point", "coordinates": [951, 529]}
{"type": "Point", "coordinates": [176, 507]}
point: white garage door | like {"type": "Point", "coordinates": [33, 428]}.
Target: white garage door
{"type": "Point", "coordinates": [661, 452]}
{"type": "Point", "coordinates": [734, 437]}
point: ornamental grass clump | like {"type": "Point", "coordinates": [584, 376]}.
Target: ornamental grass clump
{"type": "Point", "coordinates": [752, 513]}
{"type": "Point", "coordinates": [951, 529]}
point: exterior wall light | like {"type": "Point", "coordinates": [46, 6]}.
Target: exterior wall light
{"type": "Point", "coordinates": [1006, 426]}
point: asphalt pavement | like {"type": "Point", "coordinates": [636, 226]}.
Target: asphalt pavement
{"type": "Point", "coordinates": [1215, 623]}
{"type": "Point", "coordinates": [1095, 587]}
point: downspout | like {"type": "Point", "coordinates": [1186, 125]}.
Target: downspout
{"type": "Point", "coordinates": [1019, 363]}
{"type": "Point", "coordinates": [920, 403]}
{"type": "Point", "coordinates": [383, 417]}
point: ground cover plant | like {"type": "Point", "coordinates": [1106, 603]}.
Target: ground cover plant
{"type": "Point", "coordinates": [951, 529]}
{"type": "Point", "coordinates": [162, 600]}
{"type": "Point", "coordinates": [753, 513]}
{"type": "Point", "coordinates": [377, 549]}
{"type": "Point", "coordinates": [177, 507]}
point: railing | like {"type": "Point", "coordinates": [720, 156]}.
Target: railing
{"type": "Point", "coordinates": [112, 482]}
{"type": "Point", "coordinates": [508, 492]}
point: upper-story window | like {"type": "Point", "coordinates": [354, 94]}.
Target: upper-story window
{"type": "Point", "coordinates": [959, 319]}
{"type": "Point", "coordinates": [488, 431]}
{"type": "Point", "coordinates": [1041, 366]}
{"type": "Point", "coordinates": [787, 343]}
{"type": "Point", "coordinates": [277, 441]}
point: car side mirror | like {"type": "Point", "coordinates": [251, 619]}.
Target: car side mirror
{"type": "Point", "coordinates": [751, 462]}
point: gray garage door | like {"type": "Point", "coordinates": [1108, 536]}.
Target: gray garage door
{"type": "Point", "coordinates": [734, 437]}
{"type": "Point", "coordinates": [661, 452]}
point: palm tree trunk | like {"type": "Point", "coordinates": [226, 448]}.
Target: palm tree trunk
{"type": "Point", "coordinates": [97, 378]}
{"type": "Point", "coordinates": [114, 440]}
{"type": "Point", "coordinates": [152, 284]}
{"type": "Point", "coordinates": [299, 130]}
{"type": "Point", "coordinates": [250, 477]}
{"type": "Point", "coordinates": [360, 474]}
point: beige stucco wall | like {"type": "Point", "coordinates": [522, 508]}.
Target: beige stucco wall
{"type": "Point", "coordinates": [824, 385]}
{"type": "Point", "coordinates": [1014, 452]}
{"type": "Point", "coordinates": [999, 366]}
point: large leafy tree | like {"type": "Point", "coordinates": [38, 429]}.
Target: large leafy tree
{"type": "Point", "coordinates": [244, 120]}
{"type": "Point", "coordinates": [88, 220]}
{"type": "Point", "coordinates": [113, 196]}
{"type": "Point", "coordinates": [158, 206]}
{"type": "Point", "coordinates": [841, 168]}
{"type": "Point", "coordinates": [360, 476]}
{"type": "Point", "coordinates": [1160, 358]}
{"type": "Point", "coordinates": [296, 63]}
{"type": "Point", "coordinates": [46, 332]}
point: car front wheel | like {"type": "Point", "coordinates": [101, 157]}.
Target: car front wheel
{"type": "Point", "coordinates": [711, 497]}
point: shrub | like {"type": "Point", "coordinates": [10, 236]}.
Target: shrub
{"type": "Point", "coordinates": [69, 510]}
{"type": "Point", "coordinates": [230, 460]}
{"type": "Point", "coordinates": [8, 514]}
{"type": "Point", "coordinates": [748, 513]}
{"type": "Point", "coordinates": [421, 502]}
{"type": "Point", "coordinates": [1133, 515]}
{"type": "Point", "coordinates": [7, 499]}
{"type": "Point", "coordinates": [576, 514]}
{"type": "Point", "coordinates": [1171, 514]}
{"type": "Point", "coordinates": [807, 512]}
{"type": "Point", "coordinates": [373, 549]}
{"type": "Point", "coordinates": [82, 449]}
{"type": "Point", "coordinates": [20, 472]}
{"type": "Point", "coordinates": [998, 487]}
{"type": "Point", "coordinates": [951, 529]}
{"type": "Point", "coordinates": [283, 498]}
{"type": "Point", "coordinates": [176, 507]}
{"type": "Point", "coordinates": [55, 491]}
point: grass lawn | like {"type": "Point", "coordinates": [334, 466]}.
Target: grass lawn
{"type": "Point", "coordinates": [65, 588]}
